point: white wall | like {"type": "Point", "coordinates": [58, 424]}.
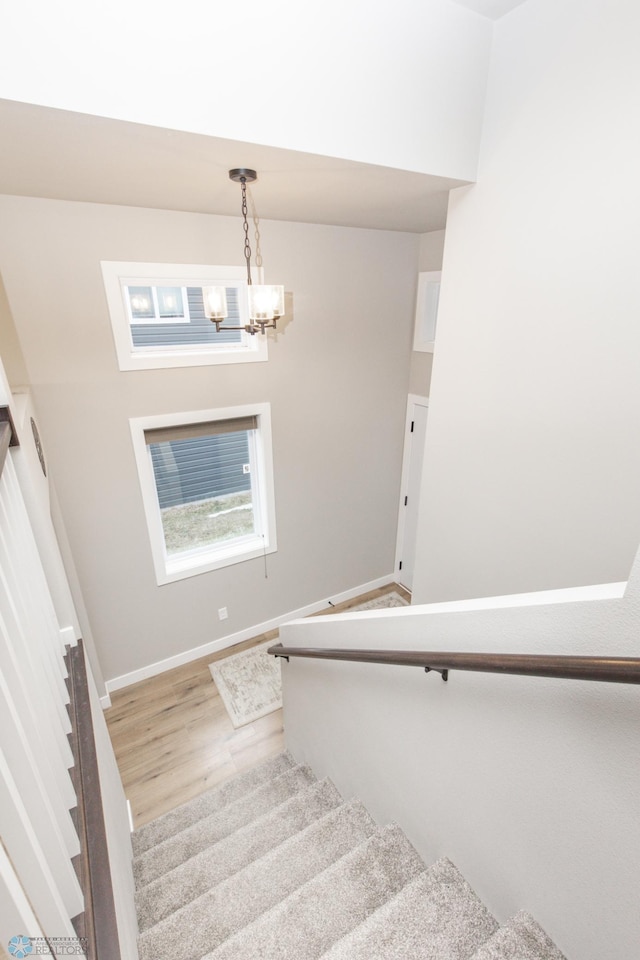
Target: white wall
{"type": "Point", "coordinates": [532, 464]}
{"type": "Point", "coordinates": [401, 86]}
{"type": "Point", "coordinates": [530, 785]}
{"type": "Point", "coordinates": [12, 359]}
{"type": "Point", "coordinates": [36, 788]}
{"type": "Point", "coordinates": [40, 496]}
{"type": "Point", "coordinates": [336, 378]}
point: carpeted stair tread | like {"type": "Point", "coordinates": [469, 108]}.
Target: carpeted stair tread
{"type": "Point", "coordinates": [434, 917]}
{"type": "Point", "coordinates": [222, 860]}
{"type": "Point", "coordinates": [521, 938]}
{"type": "Point", "coordinates": [192, 840]}
{"type": "Point", "coordinates": [209, 802]}
{"type": "Point", "coordinates": [309, 921]}
{"type": "Point", "coordinates": [203, 924]}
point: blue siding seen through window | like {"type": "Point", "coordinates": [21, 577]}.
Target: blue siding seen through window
{"type": "Point", "coordinates": [200, 468]}
{"type": "Point", "coordinates": [199, 330]}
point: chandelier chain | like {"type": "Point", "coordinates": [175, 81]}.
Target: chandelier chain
{"type": "Point", "coordinates": [245, 227]}
{"type": "Point", "coordinates": [256, 234]}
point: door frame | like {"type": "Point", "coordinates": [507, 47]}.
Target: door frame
{"type": "Point", "coordinates": [413, 400]}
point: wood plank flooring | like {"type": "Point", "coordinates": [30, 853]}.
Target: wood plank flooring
{"type": "Point", "coordinates": [173, 738]}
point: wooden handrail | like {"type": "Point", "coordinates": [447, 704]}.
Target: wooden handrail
{"type": "Point", "coordinates": [8, 435]}
{"type": "Point", "coordinates": [5, 440]}
{"type": "Point", "coordinates": [608, 669]}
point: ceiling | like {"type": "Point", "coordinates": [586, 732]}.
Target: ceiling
{"type": "Point", "coordinates": [494, 9]}
{"type": "Point", "coordinates": [63, 155]}
{"type": "Point", "coordinates": [60, 154]}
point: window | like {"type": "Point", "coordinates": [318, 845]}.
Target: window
{"type": "Point", "coordinates": [158, 320]}
{"type": "Point", "coordinates": [207, 487]}
{"type": "Point", "coordinates": [156, 305]}
{"type": "Point", "coordinates": [426, 311]}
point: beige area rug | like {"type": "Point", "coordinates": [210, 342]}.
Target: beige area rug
{"type": "Point", "coordinates": [392, 599]}
{"type": "Point", "coordinates": [250, 682]}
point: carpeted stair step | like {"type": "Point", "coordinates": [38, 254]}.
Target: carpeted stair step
{"type": "Point", "coordinates": [436, 916]}
{"type": "Point", "coordinates": [522, 938]}
{"type": "Point", "coordinates": [208, 803]}
{"type": "Point", "coordinates": [196, 876]}
{"type": "Point", "coordinates": [309, 921]}
{"type": "Point", "coordinates": [173, 851]}
{"type": "Point", "coordinates": [203, 924]}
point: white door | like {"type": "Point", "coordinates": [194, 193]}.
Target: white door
{"type": "Point", "coordinates": [415, 430]}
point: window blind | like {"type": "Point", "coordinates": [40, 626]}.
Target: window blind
{"type": "Point", "coordinates": [208, 428]}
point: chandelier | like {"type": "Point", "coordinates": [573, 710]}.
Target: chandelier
{"type": "Point", "coordinates": [265, 301]}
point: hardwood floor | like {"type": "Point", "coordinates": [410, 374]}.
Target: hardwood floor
{"type": "Point", "coordinates": [173, 738]}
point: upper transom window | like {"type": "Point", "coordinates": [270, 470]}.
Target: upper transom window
{"type": "Point", "coordinates": [158, 319]}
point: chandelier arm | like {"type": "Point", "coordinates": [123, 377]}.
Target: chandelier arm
{"type": "Point", "coordinates": [256, 326]}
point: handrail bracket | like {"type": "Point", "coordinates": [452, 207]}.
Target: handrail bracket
{"type": "Point", "coordinates": [443, 673]}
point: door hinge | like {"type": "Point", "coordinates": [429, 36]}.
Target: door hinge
{"type": "Point", "coordinates": [412, 425]}
{"type": "Point", "coordinates": [406, 500]}
{"type": "Point", "coordinates": [400, 565]}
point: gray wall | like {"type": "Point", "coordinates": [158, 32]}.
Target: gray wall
{"type": "Point", "coordinates": [337, 379]}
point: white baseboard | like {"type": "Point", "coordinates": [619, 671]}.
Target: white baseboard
{"type": "Point", "coordinates": [161, 666]}
{"type": "Point", "coordinates": [105, 702]}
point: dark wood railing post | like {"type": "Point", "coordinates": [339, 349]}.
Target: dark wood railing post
{"type": "Point", "coordinates": [99, 923]}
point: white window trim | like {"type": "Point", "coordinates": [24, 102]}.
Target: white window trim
{"type": "Point", "coordinates": [204, 559]}
{"type": "Point", "coordinates": [118, 274]}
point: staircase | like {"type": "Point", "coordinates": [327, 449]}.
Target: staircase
{"type": "Point", "coordinates": [275, 864]}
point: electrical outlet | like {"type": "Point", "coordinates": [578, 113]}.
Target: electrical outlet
{"type": "Point", "coordinates": [223, 613]}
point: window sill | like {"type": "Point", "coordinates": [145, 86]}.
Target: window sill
{"type": "Point", "coordinates": [202, 561]}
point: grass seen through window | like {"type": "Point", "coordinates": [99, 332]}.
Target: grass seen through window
{"type": "Point", "coordinates": [189, 526]}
